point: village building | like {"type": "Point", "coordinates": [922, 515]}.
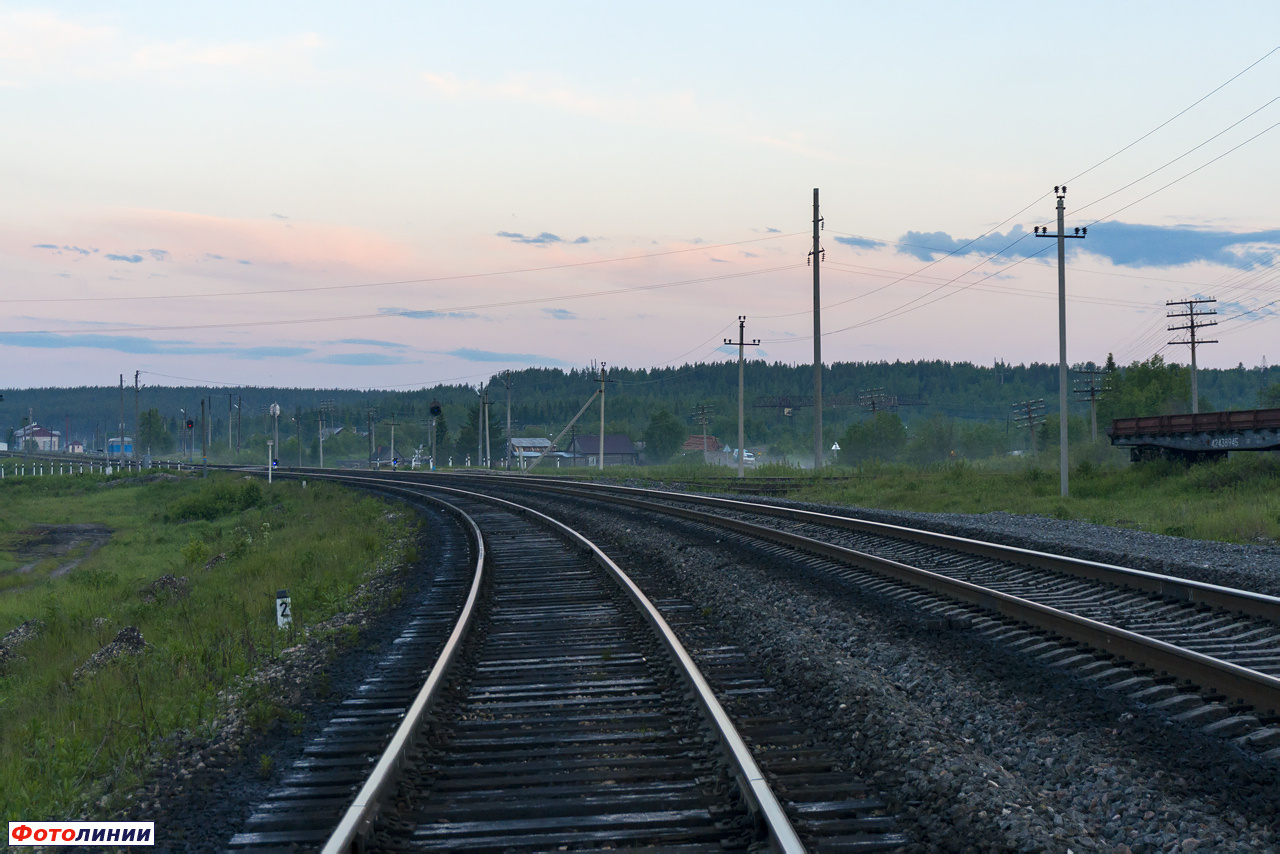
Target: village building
{"type": "Point", "coordinates": [40, 438]}
{"type": "Point", "coordinates": [618, 451]}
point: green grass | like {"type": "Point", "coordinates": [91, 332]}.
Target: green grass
{"type": "Point", "coordinates": [65, 740]}
{"type": "Point", "coordinates": [1237, 500]}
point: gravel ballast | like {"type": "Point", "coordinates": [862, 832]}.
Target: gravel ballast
{"type": "Point", "coordinates": [975, 747]}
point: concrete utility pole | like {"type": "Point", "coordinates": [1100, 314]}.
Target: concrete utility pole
{"type": "Point", "coordinates": [320, 435]}
{"type": "Point", "coordinates": [121, 423]}
{"type": "Point", "coordinates": [240, 418]}
{"type": "Point", "coordinates": [393, 422]}
{"type": "Point", "coordinates": [815, 255]}
{"type": "Point", "coordinates": [506, 381]}
{"type": "Point", "coordinates": [601, 448]}
{"type": "Point", "coordinates": [1192, 325]}
{"type": "Point", "coordinates": [137, 423]}
{"type": "Point", "coordinates": [480, 428]}
{"type": "Point", "coordinates": [1042, 231]}
{"type": "Point", "coordinates": [742, 342]}
{"type": "Point", "coordinates": [231, 414]}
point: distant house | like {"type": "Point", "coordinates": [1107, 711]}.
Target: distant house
{"type": "Point", "coordinates": [525, 451]}
{"type": "Point", "coordinates": [618, 450]}
{"type": "Point", "coordinates": [41, 438]}
{"type": "Point", "coordinates": [75, 447]}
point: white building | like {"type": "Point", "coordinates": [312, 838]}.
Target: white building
{"type": "Point", "coordinates": [41, 438]}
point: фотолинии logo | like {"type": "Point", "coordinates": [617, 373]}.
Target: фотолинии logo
{"type": "Point", "coordinates": [116, 833]}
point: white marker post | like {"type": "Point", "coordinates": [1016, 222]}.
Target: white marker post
{"type": "Point", "coordinates": [284, 609]}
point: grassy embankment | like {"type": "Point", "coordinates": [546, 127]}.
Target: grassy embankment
{"type": "Point", "coordinates": [67, 740]}
{"type": "Point", "coordinates": [1237, 500]}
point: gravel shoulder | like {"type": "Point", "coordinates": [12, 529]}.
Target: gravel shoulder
{"type": "Point", "coordinates": [975, 748]}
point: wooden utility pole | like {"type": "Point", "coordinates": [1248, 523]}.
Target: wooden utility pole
{"type": "Point", "coordinates": [1042, 231]}
{"type": "Point", "coordinates": [702, 415]}
{"type": "Point", "coordinates": [742, 343]}
{"type": "Point", "coordinates": [1091, 391]}
{"type": "Point", "coordinates": [815, 255]}
{"type": "Point", "coordinates": [1030, 413]}
{"type": "Point", "coordinates": [1192, 325]}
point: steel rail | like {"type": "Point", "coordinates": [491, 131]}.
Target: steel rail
{"type": "Point", "coordinates": [763, 802]}
{"type": "Point", "coordinates": [1257, 689]}
{"type": "Point", "coordinates": [1182, 589]}
{"type": "Point", "coordinates": [359, 817]}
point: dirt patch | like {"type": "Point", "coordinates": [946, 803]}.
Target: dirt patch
{"type": "Point", "coordinates": [69, 545]}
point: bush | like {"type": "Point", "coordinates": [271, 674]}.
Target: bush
{"type": "Point", "coordinates": [219, 498]}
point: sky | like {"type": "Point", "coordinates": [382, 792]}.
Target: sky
{"type": "Point", "coordinates": [393, 195]}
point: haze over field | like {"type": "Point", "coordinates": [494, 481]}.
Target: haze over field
{"type": "Point", "coordinates": [289, 195]}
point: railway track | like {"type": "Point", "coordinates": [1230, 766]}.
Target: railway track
{"type": "Point", "coordinates": [560, 712]}
{"type": "Point", "coordinates": [1207, 655]}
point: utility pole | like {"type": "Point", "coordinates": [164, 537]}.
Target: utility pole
{"type": "Point", "coordinates": [488, 447]}
{"type": "Point", "coordinates": [240, 418]}
{"type": "Point", "coordinates": [137, 423]}
{"type": "Point", "coordinates": [702, 415]}
{"type": "Point", "coordinates": [392, 422]}
{"type": "Point", "coordinates": [601, 448]}
{"type": "Point", "coordinates": [1042, 231]}
{"type": "Point", "coordinates": [1192, 325]}
{"type": "Point", "coordinates": [1030, 413]}
{"type": "Point", "coordinates": [815, 255]}
{"type": "Point", "coordinates": [1091, 392]}
{"type": "Point", "coordinates": [121, 423]}
{"type": "Point", "coordinates": [204, 439]}
{"type": "Point", "coordinates": [506, 381]}
{"type": "Point", "coordinates": [231, 414]}
{"type": "Point", "coordinates": [480, 428]}
{"type": "Point", "coordinates": [742, 342]}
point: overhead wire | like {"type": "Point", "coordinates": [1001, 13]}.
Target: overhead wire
{"type": "Point", "coordinates": [407, 312]}
{"type": "Point", "coordinates": [421, 281]}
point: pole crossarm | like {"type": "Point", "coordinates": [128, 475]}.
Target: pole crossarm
{"type": "Point", "coordinates": [1193, 323]}
{"type": "Point", "coordinates": [1060, 192]}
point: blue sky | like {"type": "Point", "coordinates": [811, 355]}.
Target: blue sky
{"type": "Point", "coordinates": [385, 196]}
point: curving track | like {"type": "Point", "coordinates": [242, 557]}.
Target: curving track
{"type": "Point", "coordinates": [1206, 654]}
{"type": "Point", "coordinates": [561, 713]}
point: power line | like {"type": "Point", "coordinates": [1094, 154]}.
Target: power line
{"type": "Point", "coordinates": [458, 277]}
{"type": "Point", "coordinates": [406, 312]}
{"type": "Point", "coordinates": [1179, 157]}
{"type": "Point", "coordinates": [1175, 116]}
